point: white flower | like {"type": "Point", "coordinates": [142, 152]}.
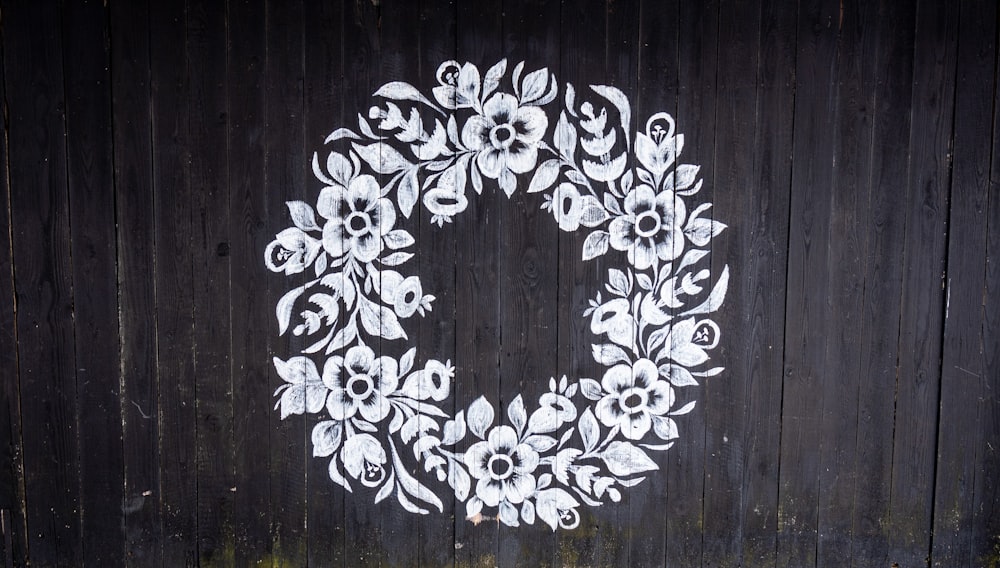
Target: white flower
{"type": "Point", "coordinates": [506, 136]}
{"type": "Point", "coordinates": [359, 383]}
{"type": "Point", "coordinates": [364, 459]}
{"type": "Point", "coordinates": [304, 391]}
{"type": "Point", "coordinates": [358, 218]}
{"type": "Point", "coordinates": [634, 393]}
{"type": "Point", "coordinates": [613, 318]}
{"type": "Point", "coordinates": [503, 467]}
{"type": "Point", "coordinates": [651, 228]}
{"type": "Point", "coordinates": [291, 251]}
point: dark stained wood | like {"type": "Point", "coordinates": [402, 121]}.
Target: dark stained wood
{"type": "Point", "coordinates": [285, 175]}
{"type": "Point", "coordinates": [174, 285]}
{"type": "Point", "coordinates": [922, 303]}
{"type": "Point", "coordinates": [807, 308]}
{"type": "Point", "coordinates": [12, 504]}
{"type": "Point", "coordinates": [90, 179]}
{"type": "Point", "coordinates": [131, 119]}
{"type": "Point", "coordinates": [768, 200]}
{"type": "Point", "coordinates": [43, 282]}
{"type": "Point", "coordinates": [856, 70]}
{"type": "Point", "coordinates": [880, 322]}
{"type": "Point", "coordinates": [726, 402]}
{"type": "Point", "coordinates": [963, 361]}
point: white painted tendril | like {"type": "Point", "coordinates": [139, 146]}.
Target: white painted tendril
{"type": "Point", "coordinates": [585, 439]}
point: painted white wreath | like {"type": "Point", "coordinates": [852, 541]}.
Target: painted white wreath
{"type": "Point", "coordinates": [585, 439]}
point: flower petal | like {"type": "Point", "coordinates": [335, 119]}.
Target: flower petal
{"type": "Point", "coordinates": [637, 425]}
{"type": "Point", "coordinates": [477, 458]}
{"type": "Point", "coordinates": [617, 379]}
{"type": "Point", "coordinates": [340, 406]}
{"type": "Point", "coordinates": [503, 439]}
{"type": "Point", "coordinates": [501, 108]}
{"type": "Point", "coordinates": [522, 160]}
{"type": "Point", "coordinates": [519, 487]}
{"type": "Point", "coordinates": [661, 398]}
{"type": "Point", "coordinates": [489, 491]}
{"type": "Point", "coordinates": [359, 359]}
{"type": "Point", "coordinates": [375, 408]}
{"type": "Point", "coordinates": [530, 123]}
{"type": "Point", "coordinates": [644, 373]}
{"type": "Point", "coordinates": [490, 161]}
{"type": "Point", "coordinates": [476, 132]}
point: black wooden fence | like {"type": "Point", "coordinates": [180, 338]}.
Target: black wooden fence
{"type": "Point", "coordinates": [150, 147]}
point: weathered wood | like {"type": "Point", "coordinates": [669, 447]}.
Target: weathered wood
{"type": "Point", "coordinates": [90, 180]}
{"type": "Point", "coordinates": [880, 322]}
{"type": "Point", "coordinates": [43, 271]}
{"type": "Point", "coordinates": [807, 307]}
{"type": "Point", "coordinates": [963, 362]}
{"type": "Point", "coordinates": [285, 175]}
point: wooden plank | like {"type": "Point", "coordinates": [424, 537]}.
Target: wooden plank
{"type": "Point", "coordinates": [696, 118]}
{"type": "Point", "coordinates": [768, 207]}
{"type": "Point", "coordinates": [92, 205]}
{"type": "Point", "coordinates": [727, 397]}
{"type": "Point", "coordinates": [961, 431]}
{"type": "Point", "coordinates": [285, 174]}
{"type": "Point", "coordinates": [15, 541]}
{"type": "Point", "coordinates": [250, 206]}
{"type": "Point", "coordinates": [205, 37]}
{"type": "Point", "coordinates": [174, 285]}
{"type": "Point", "coordinates": [132, 130]}
{"type": "Point", "coordinates": [436, 264]}
{"type": "Point", "coordinates": [806, 309]}
{"type": "Point", "coordinates": [847, 245]}
{"type": "Point", "coordinates": [41, 249]}
{"type": "Point", "coordinates": [477, 295]}
{"type": "Point", "coordinates": [986, 507]}
{"type": "Point", "coordinates": [923, 298]}
{"type": "Point", "coordinates": [879, 326]}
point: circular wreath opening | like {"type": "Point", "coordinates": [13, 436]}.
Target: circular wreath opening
{"type": "Point", "coordinates": [585, 439]}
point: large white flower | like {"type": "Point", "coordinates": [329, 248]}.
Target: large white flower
{"type": "Point", "coordinates": [652, 227]}
{"type": "Point", "coordinates": [506, 136]}
{"type": "Point", "coordinates": [633, 395]}
{"type": "Point", "coordinates": [359, 383]}
{"type": "Point", "coordinates": [503, 467]}
{"type": "Point", "coordinates": [358, 218]}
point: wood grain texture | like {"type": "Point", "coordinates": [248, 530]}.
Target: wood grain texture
{"type": "Point", "coordinates": [43, 270]}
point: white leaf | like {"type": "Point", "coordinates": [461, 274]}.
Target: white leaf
{"type": "Point", "coordinates": [492, 78]}
{"type": "Point", "coordinates": [564, 459]}
{"type": "Point", "coordinates": [665, 428]}
{"type": "Point", "coordinates": [684, 409]}
{"type": "Point", "coordinates": [398, 239]}
{"type": "Point", "coordinates": [540, 443]}
{"type": "Point", "coordinates": [593, 212]}
{"type": "Point", "coordinates": [714, 299]}
{"type": "Point", "coordinates": [508, 514]}
{"type": "Point", "coordinates": [550, 502]}
{"type": "Point", "coordinates": [590, 431]}
{"type": "Point", "coordinates": [408, 505]}
{"type": "Point", "coordinates": [302, 215]}
{"type": "Point", "coordinates": [326, 438]}
{"type": "Point", "coordinates": [459, 481]}
{"type": "Point", "coordinates": [528, 512]}
{"type": "Point", "coordinates": [565, 137]}
{"type": "Point", "coordinates": [382, 157]}
{"type": "Point", "coordinates": [596, 244]}
{"type": "Point", "coordinates": [339, 134]}
{"type": "Point", "coordinates": [454, 430]}
{"type": "Point", "coordinates": [338, 477]}
{"type": "Point", "coordinates": [418, 424]}
{"type": "Point", "coordinates": [396, 258]}
{"type": "Point", "coordinates": [406, 361]}
{"type": "Point", "coordinates": [480, 416]}
{"type": "Point", "coordinates": [685, 175]}
{"type": "Point", "coordinates": [608, 354]}
{"type": "Point", "coordinates": [318, 171]}
{"type": "Point", "coordinates": [605, 170]}
{"type": "Point", "coordinates": [544, 420]}
{"type": "Point", "coordinates": [545, 176]}
{"type": "Point", "coordinates": [678, 376]}
{"type": "Point", "coordinates": [517, 414]}
{"type": "Point", "coordinates": [386, 489]}
{"type": "Point", "coordinates": [380, 321]}
{"type": "Point", "coordinates": [283, 310]}
{"type": "Point", "coordinates": [620, 101]}
{"type": "Point", "coordinates": [412, 486]}
{"type": "Point", "coordinates": [401, 91]}
{"type": "Point", "coordinates": [407, 192]}
{"type": "Point", "coordinates": [534, 84]}
{"type": "Point", "coordinates": [341, 169]}
{"type": "Point", "coordinates": [591, 389]}
{"type": "Point", "coordinates": [623, 458]}
{"type": "Point", "coordinates": [473, 507]}
{"type": "Point", "coordinates": [618, 282]}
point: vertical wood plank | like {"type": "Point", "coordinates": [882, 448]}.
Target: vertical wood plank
{"type": "Point", "coordinates": [206, 35]}
{"type": "Point", "coordinates": [15, 541]}
{"type": "Point", "coordinates": [436, 264]}
{"type": "Point", "coordinates": [42, 256]}
{"type": "Point", "coordinates": [856, 63]}
{"type": "Point", "coordinates": [768, 257]}
{"type": "Point", "coordinates": [285, 167]}
{"type": "Point", "coordinates": [963, 361]}
{"type": "Point", "coordinates": [879, 329]}
{"type": "Point", "coordinates": [477, 295]}
{"type": "Point", "coordinates": [132, 130]}
{"type": "Point", "coordinates": [808, 288]}
{"type": "Point", "coordinates": [174, 285]}
{"type": "Point", "coordinates": [250, 205]}
{"type": "Point", "coordinates": [92, 206]}
{"type": "Point", "coordinates": [923, 299]}
{"type": "Point", "coordinates": [727, 398]}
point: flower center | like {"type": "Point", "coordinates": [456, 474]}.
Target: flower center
{"type": "Point", "coordinates": [633, 400]}
{"type": "Point", "coordinates": [647, 224]}
{"type": "Point", "coordinates": [501, 466]}
{"type": "Point", "coordinates": [358, 224]}
{"type": "Point", "coordinates": [360, 386]}
{"type": "Point", "coordinates": [502, 136]}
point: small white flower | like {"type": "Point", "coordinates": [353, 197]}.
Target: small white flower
{"type": "Point", "coordinates": [291, 251]}
{"type": "Point", "coordinates": [503, 467]}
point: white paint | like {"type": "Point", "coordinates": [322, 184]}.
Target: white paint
{"type": "Point", "coordinates": [585, 440]}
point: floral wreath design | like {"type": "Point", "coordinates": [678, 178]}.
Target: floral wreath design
{"type": "Point", "coordinates": [585, 440]}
